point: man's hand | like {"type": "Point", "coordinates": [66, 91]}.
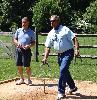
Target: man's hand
{"type": "Point", "coordinates": [44, 61]}
{"type": "Point", "coordinates": [76, 53]}
{"type": "Point", "coordinates": [46, 54]}
{"type": "Point", "coordinates": [19, 45]}
{"type": "Point", "coordinates": [26, 47]}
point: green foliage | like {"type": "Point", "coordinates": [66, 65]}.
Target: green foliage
{"type": "Point", "coordinates": [11, 11]}
{"type": "Point", "coordinates": [89, 21]}
{"type": "Point", "coordinates": [1, 21]}
{"type": "Point", "coordinates": [45, 8]}
{"type": "Point", "coordinates": [80, 5]}
{"type": "Point", "coordinates": [91, 13]}
{"type": "Point", "coordinates": [14, 10]}
{"type": "Point", "coordinates": [8, 69]}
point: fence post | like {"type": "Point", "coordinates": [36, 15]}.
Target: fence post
{"type": "Point", "coordinates": [36, 46]}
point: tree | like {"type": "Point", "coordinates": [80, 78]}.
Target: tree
{"type": "Point", "coordinates": [89, 21]}
{"type": "Point", "coordinates": [45, 8]}
{"type": "Point", "coordinates": [80, 5]}
{"type": "Point", "coordinates": [14, 10]}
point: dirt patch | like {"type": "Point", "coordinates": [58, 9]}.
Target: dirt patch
{"type": "Point", "coordinates": [10, 91]}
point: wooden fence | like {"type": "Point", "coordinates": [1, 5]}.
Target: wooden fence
{"type": "Point", "coordinates": [81, 46]}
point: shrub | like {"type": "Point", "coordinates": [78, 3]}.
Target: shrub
{"type": "Point", "coordinates": [89, 19]}
{"type": "Point", "coordinates": [45, 8]}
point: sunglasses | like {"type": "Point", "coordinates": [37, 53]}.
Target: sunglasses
{"type": "Point", "coordinates": [52, 20]}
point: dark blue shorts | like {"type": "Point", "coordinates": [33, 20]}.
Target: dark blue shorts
{"type": "Point", "coordinates": [23, 57]}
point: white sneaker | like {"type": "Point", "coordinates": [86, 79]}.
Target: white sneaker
{"type": "Point", "coordinates": [60, 96]}
{"type": "Point", "coordinates": [28, 82]}
{"type": "Point", "coordinates": [19, 82]}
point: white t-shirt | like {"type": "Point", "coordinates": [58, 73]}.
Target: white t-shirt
{"type": "Point", "coordinates": [60, 39]}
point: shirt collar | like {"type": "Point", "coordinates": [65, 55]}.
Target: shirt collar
{"type": "Point", "coordinates": [57, 27]}
{"type": "Point", "coordinates": [25, 30]}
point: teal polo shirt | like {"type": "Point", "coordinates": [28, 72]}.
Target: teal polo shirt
{"type": "Point", "coordinates": [24, 37]}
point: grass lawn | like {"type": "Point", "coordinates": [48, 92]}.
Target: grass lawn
{"type": "Point", "coordinates": [87, 70]}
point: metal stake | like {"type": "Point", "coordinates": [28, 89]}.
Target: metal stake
{"type": "Point", "coordinates": [44, 85]}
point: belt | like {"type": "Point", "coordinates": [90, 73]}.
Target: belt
{"type": "Point", "coordinates": [21, 49]}
{"type": "Point", "coordinates": [59, 54]}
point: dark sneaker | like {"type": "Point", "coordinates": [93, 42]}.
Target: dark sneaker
{"type": "Point", "coordinates": [28, 82]}
{"type": "Point", "coordinates": [73, 90]}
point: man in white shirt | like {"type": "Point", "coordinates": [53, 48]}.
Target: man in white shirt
{"type": "Point", "coordinates": [64, 41]}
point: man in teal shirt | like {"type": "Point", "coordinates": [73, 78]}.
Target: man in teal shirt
{"type": "Point", "coordinates": [24, 39]}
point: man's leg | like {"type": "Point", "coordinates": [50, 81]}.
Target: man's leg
{"type": "Point", "coordinates": [71, 84]}
{"type": "Point", "coordinates": [28, 72]}
{"type": "Point", "coordinates": [27, 60]}
{"type": "Point", "coordinates": [62, 60]}
{"type": "Point", "coordinates": [62, 79]}
{"type": "Point", "coordinates": [20, 71]}
{"type": "Point", "coordinates": [64, 63]}
{"type": "Point", "coordinates": [70, 81]}
{"type": "Point", "coordinates": [19, 66]}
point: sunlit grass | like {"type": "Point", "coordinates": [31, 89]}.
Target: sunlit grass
{"type": "Point", "coordinates": [85, 70]}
